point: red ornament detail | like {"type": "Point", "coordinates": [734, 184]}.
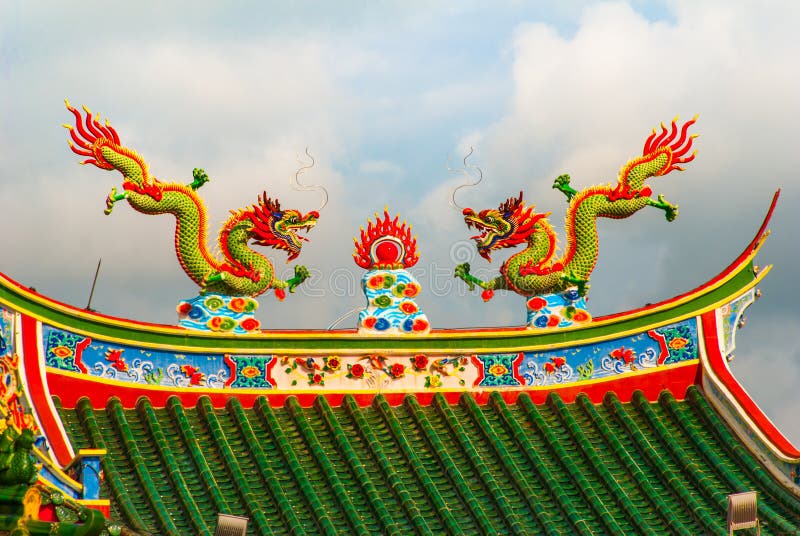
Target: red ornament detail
{"type": "Point", "coordinates": [581, 316]}
{"type": "Point", "coordinates": [398, 370]}
{"type": "Point", "coordinates": [369, 322]}
{"type": "Point", "coordinates": [487, 294]}
{"type": "Point", "coordinates": [408, 307]}
{"type": "Point", "coordinates": [195, 376]}
{"type": "Point", "coordinates": [626, 355]}
{"type": "Point", "coordinates": [394, 245]}
{"type": "Point", "coordinates": [357, 370]}
{"type": "Point", "coordinates": [249, 324]}
{"type": "Point", "coordinates": [536, 303]}
{"type": "Point", "coordinates": [280, 293]}
{"type": "Point", "coordinates": [553, 321]}
{"type": "Point", "coordinates": [677, 146]}
{"type": "Point", "coordinates": [420, 361]}
{"type": "Point", "coordinates": [419, 325]}
{"type": "Point", "coordinates": [387, 252]}
{"type": "Point", "coordinates": [184, 308]}
{"type": "Point", "coordinates": [411, 290]}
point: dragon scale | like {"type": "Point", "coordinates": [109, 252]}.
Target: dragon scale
{"type": "Point", "coordinates": [240, 271]}
{"type": "Point", "coordinates": [537, 270]}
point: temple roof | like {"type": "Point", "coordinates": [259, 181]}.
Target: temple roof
{"type": "Point", "coordinates": [553, 468]}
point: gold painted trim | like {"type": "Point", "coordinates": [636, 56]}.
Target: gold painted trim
{"type": "Point", "coordinates": [93, 502]}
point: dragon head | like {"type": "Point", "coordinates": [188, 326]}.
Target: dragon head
{"type": "Point", "coordinates": [507, 226]}
{"type": "Point", "coordinates": [278, 228]}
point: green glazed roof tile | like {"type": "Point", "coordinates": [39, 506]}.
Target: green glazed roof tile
{"type": "Point", "coordinates": [555, 468]}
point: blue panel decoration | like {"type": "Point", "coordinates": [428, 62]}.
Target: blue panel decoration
{"type": "Point", "coordinates": [249, 371]}
{"type": "Point", "coordinates": [666, 345]}
{"type": "Point", "coordinates": [681, 341]}
{"type": "Point", "coordinates": [732, 317]}
{"type": "Point", "coordinates": [498, 370]}
{"type": "Point", "coordinates": [6, 332]}
{"type": "Point", "coordinates": [138, 365]}
{"type": "Point", "coordinates": [63, 350]}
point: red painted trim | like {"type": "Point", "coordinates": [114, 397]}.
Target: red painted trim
{"type": "Point", "coordinates": [717, 363]}
{"type": "Point", "coordinates": [676, 379]}
{"type": "Point", "coordinates": [481, 372]}
{"type": "Point", "coordinates": [515, 368]}
{"type": "Point", "coordinates": [79, 348]}
{"type": "Point", "coordinates": [104, 509]}
{"type": "Point", "coordinates": [662, 345]}
{"type": "Point", "coordinates": [39, 393]}
{"type": "Point", "coordinates": [232, 368]}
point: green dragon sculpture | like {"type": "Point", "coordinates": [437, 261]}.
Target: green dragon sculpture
{"type": "Point", "coordinates": [241, 271]}
{"type": "Point", "coordinates": [538, 269]}
{"type": "Point", "coordinates": [21, 495]}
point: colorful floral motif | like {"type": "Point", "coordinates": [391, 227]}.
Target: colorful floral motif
{"type": "Point", "coordinates": [420, 361]}
{"type": "Point", "coordinates": [557, 310]}
{"type": "Point", "coordinates": [681, 341]}
{"type": "Point", "coordinates": [731, 317]}
{"type": "Point", "coordinates": [498, 370]}
{"type": "Point", "coordinates": [390, 307]}
{"type": "Point", "coordinates": [220, 313]}
{"type": "Point", "coordinates": [250, 371]}
{"type": "Point", "coordinates": [63, 350]}
{"type": "Point", "coordinates": [545, 372]}
{"type": "Point", "coordinates": [12, 400]}
{"type": "Point", "coordinates": [631, 354]}
{"type": "Point", "coordinates": [355, 371]}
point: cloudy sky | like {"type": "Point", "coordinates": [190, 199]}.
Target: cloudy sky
{"type": "Point", "coordinates": [383, 93]}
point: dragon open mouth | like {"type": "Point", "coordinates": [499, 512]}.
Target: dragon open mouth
{"type": "Point", "coordinates": [486, 233]}
{"type": "Point", "coordinates": [305, 228]}
{"type": "Point", "coordinates": [478, 226]}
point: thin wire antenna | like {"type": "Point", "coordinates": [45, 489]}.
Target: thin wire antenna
{"type": "Point", "coordinates": [342, 317]}
{"type": "Point", "coordinates": [468, 171]}
{"type": "Point", "coordinates": [94, 282]}
{"type": "Point", "coordinates": [297, 185]}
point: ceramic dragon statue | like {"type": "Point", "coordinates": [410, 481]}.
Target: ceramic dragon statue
{"type": "Point", "coordinates": [539, 270]}
{"type": "Point", "coordinates": [240, 271]}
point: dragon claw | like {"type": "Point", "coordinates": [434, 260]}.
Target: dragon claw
{"type": "Point", "coordinates": [462, 272]}
{"type": "Point", "coordinates": [200, 177]}
{"type": "Point", "coordinates": [561, 183]}
{"type": "Point", "coordinates": [301, 273]}
{"type": "Point", "coordinates": [112, 198]}
{"type": "Point", "coordinates": [670, 210]}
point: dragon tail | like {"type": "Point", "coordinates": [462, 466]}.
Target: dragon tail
{"type": "Point", "coordinates": [678, 146]}
{"type": "Point", "coordinates": [89, 132]}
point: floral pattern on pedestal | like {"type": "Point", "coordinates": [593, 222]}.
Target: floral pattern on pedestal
{"type": "Point", "coordinates": [386, 249]}
{"type": "Point", "coordinates": [560, 310]}
{"type": "Point", "coordinates": [219, 313]}
{"type": "Point", "coordinates": [391, 307]}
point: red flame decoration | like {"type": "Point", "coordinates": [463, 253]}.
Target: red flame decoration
{"type": "Point", "coordinates": [89, 131]}
{"type": "Point", "coordinates": [386, 243]}
{"type": "Point", "coordinates": [679, 148]}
